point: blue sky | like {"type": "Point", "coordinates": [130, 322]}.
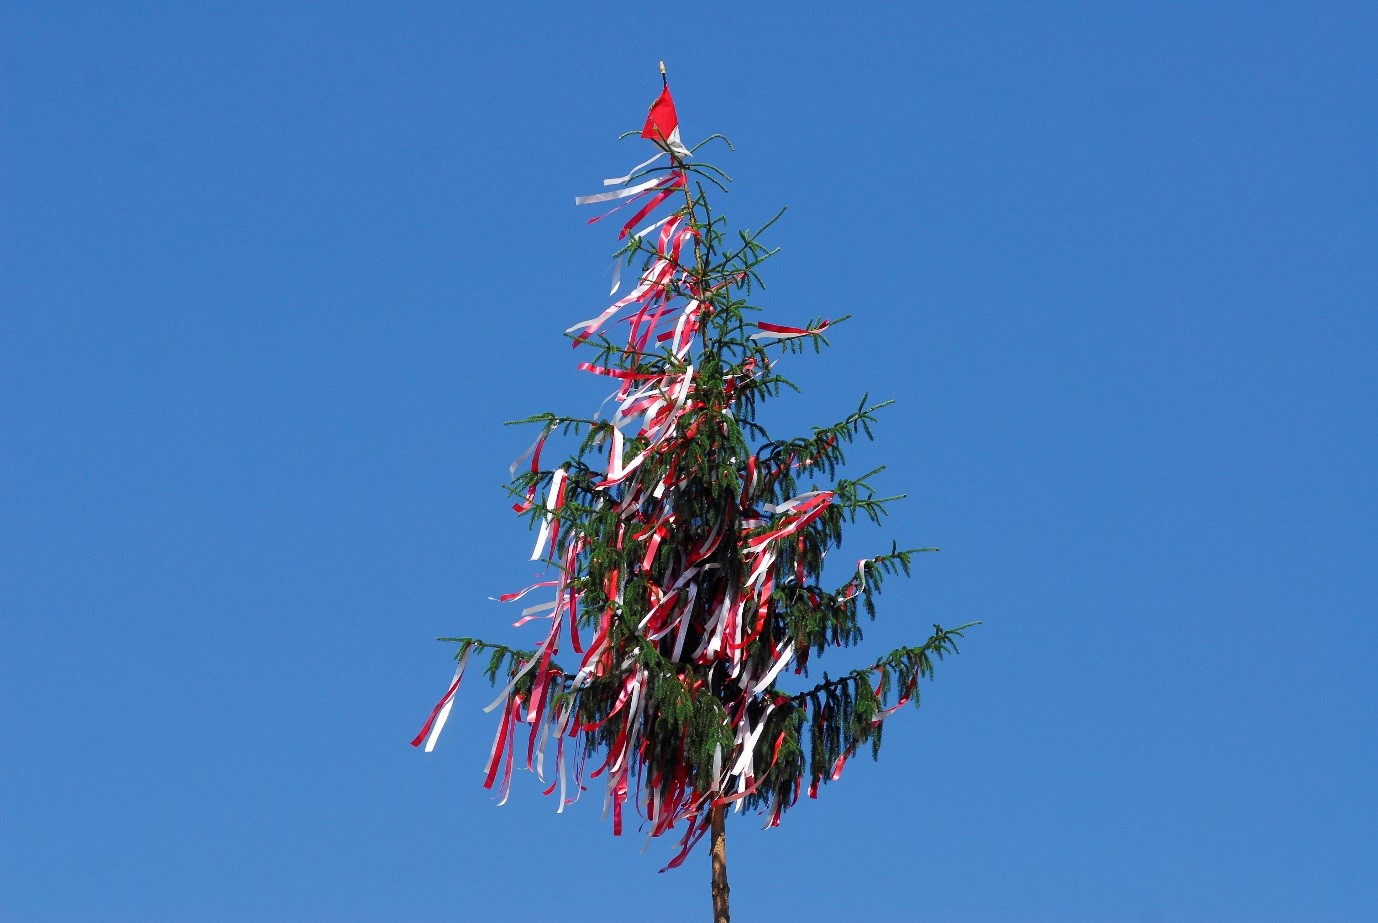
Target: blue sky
{"type": "Point", "coordinates": [273, 277]}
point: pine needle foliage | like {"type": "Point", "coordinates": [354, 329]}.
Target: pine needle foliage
{"type": "Point", "coordinates": [694, 522]}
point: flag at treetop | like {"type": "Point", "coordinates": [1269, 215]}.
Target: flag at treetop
{"type": "Point", "coordinates": [662, 124]}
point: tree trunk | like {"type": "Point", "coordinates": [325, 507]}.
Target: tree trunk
{"type": "Point", "coordinates": [720, 888]}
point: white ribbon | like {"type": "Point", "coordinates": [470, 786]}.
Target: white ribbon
{"type": "Point", "coordinates": [619, 194]}
{"type": "Point", "coordinates": [621, 180]}
{"type": "Point", "coordinates": [444, 715]}
{"type": "Point", "coordinates": [785, 656]}
{"type": "Point", "coordinates": [556, 480]}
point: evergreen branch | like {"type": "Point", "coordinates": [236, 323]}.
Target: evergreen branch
{"type": "Point", "coordinates": [823, 448]}
{"type": "Point", "coordinates": [700, 166]}
{"type": "Point", "coordinates": [554, 421]}
{"type": "Point", "coordinates": [919, 660]}
{"type": "Point", "coordinates": [514, 657]}
{"type": "Point", "coordinates": [749, 238]}
{"type": "Point", "coordinates": [713, 137]}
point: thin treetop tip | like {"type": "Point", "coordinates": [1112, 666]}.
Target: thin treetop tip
{"type": "Point", "coordinates": [685, 548]}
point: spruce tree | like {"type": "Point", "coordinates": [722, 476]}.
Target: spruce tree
{"type": "Point", "coordinates": [686, 545]}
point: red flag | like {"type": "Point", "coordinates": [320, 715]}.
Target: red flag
{"type": "Point", "coordinates": [662, 124]}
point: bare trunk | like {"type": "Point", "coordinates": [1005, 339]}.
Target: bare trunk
{"type": "Point", "coordinates": [720, 888]}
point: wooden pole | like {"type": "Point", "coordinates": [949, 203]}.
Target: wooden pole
{"type": "Point", "coordinates": [720, 888]}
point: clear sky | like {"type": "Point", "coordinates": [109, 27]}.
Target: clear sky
{"type": "Point", "coordinates": [273, 277]}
